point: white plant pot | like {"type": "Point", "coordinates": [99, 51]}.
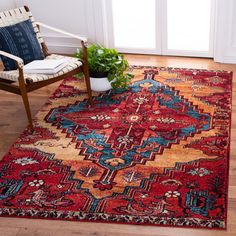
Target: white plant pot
{"type": "Point", "coordinates": [100, 84]}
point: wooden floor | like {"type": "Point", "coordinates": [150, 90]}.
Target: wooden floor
{"type": "Point", "coordinates": [13, 121]}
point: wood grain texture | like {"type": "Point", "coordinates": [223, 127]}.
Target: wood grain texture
{"type": "Point", "coordinates": [13, 121]}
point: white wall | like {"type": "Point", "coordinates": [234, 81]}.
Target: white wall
{"type": "Point", "coordinates": [82, 17]}
{"type": "Point", "coordinates": [7, 4]}
{"type": "Point", "coordinates": [225, 39]}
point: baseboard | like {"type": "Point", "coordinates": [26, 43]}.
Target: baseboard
{"type": "Point", "coordinates": [226, 59]}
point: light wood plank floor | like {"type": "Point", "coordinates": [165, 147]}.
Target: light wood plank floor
{"type": "Point", "coordinates": [13, 121]}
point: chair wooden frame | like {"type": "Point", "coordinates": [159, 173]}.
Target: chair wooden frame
{"type": "Point", "coordinates": [23, 88]}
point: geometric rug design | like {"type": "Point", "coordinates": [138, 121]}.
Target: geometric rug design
{"type": "Point", "coordinates": [155, 154]}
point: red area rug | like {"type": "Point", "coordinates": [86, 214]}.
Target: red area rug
{"type": "Point", "coordinates": [155, 154]}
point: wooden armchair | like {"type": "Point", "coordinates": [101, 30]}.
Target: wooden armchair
{"type": "Point", "coordinates": [19, 83]}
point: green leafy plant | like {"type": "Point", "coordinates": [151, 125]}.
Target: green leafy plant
{"type": "Point", "coordinates": [107, 63]}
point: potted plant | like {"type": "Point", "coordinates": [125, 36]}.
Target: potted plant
{"type": "Point", "coordinates": [106, 68]}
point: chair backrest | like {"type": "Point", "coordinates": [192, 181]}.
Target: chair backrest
{"type": "Point", "coordinates": [18, 15]}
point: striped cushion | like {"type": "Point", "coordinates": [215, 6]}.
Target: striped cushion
{"type": "Point", "coordinates": [13, 75]}
{"type": "Point", "coordinates": [20, 40]}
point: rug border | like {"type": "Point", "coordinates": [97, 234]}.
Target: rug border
{"type": "Point", "coordinates": [111, 222]}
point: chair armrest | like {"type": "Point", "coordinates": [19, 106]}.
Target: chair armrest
{"type": "Point", "coordinates": [19, 61]}
{"type": "Point", "coordinates": [83, 39]}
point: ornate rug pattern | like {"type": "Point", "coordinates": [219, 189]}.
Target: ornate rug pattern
{"type": "Point", "coordinates": [156, 154]}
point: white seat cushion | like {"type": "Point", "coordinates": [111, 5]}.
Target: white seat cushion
{"type": "Point", "coordinates": [13, 75]}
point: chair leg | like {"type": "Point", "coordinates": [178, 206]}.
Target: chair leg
{"type": "Point", "coordinates": [87, 81]}
{"type": "Point", "coordinates": [24, 95]}
{"type": "Point", "coordinates": [86, 71]}
{"type": "Point", "coordinates": [88, 86]}
{"type": "Point", "coordinates": [27, 107]}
